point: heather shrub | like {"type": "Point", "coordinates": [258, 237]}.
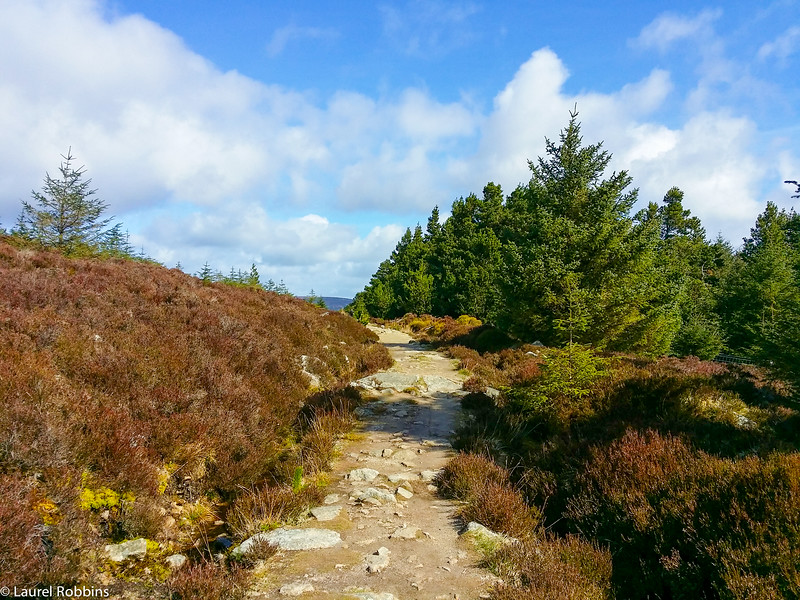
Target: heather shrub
{"type": "Point", "coordinates": [550, 568]}
{"type": "Point", "coordinates": [208, 581]}
{"type": "Point", "coordinates": [488, 496]}
{"type": "Point", "coordinates": [128, 379]}
{"type": "Point", "coordinates": [264, 509]}
{"type": "Point", "coordinates": [681, 523]}
{"type": "Point", "coordinates": [22, 554]}
{"type": "Point", "coordinates": [500, 508]}
{"type": "Point", "coordinates": [463, 475]}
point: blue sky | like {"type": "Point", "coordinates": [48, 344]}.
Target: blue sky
{"type": "Point", "coordinates": [305, 137]}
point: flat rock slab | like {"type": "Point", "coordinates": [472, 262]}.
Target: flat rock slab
{"type": "Point", "coordinates": [371, 596]}
{"type": "Point", "coordinates": [373, 494]}
{"type": "Point", "coordinates": [293, 539]}
{"type": "Point", "coordinates": [405, 533]}
{"type": "Point", "coordinates": [326, 513]}
{"type": "Point", "coordinates": [404, 493]}
{"type": "Point", "coordinates": [393, 381]}
{"type": "Point", "coordinates": [398, 477]}
{"type": "Point", "coordinates": [362, 475]}
{"type": "Point", "coordinates": [133, 549]}
{"type": "Point", "coordinates": [296, 589]}
{"type": "Point", "coordinates": [428, 475]}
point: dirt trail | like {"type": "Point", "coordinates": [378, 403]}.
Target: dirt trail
{"type": "Point", "coordinates": [404, 438]}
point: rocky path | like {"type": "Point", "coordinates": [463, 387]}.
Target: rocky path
{"type": "Point", "coordinates": [382, 533]}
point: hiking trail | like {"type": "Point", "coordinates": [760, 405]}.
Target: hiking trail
{"type": "Point", "coordinates": [397, 540]}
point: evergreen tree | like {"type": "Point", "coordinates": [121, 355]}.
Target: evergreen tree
{"type": "Point", "coordinates": [570, 225]}
{"type": "Point", "coordinates": [760, 291]}
{"type": "Point", "coordinates": [66, 214]}
{"type": "Point", "coordinates": [206, 274]}
{"type": "Point", "coordinates": [684, 258]}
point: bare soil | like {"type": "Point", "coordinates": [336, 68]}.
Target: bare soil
{"type": "Point", "coordinates": [401, 433]}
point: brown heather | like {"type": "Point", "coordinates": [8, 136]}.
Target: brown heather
{"type": "Point", "coordinates": [675, 478]}
{"type": "Point", "coordinates": [142, 380]}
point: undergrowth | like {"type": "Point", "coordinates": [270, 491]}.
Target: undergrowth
{"type": "Point", "coordinates": [675, 478]}
{"type": "Point", "coordinates": [140, 401]}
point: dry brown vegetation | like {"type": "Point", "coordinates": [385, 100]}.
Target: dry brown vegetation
{"type": "Point", "coordinates": [125, 386]}
{"type": "Point", "coordinates": [676, 478]}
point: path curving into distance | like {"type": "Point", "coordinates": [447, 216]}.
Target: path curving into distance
{"type": "Point", "coordinates": [397, 540]}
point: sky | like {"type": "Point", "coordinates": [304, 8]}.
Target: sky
{"type": "Point", "coordinates": [305, 137]}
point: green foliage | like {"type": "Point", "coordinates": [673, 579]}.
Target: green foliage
{"type": "Point", "coordinates": [66, 215]}
{"type": "Point", "coordinates": [557, 396]}
{"type": "Point", "coordinates": [760, 293]}
{"type": "Point", "coordinates": [559, 259]}
{"type": "Point", "coordinates": [317, 301]}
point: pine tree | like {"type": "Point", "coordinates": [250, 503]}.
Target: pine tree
{"type": "Point", "coordinates": [66, 214]}
{"type": "Point", "coordinates": [570, 224]}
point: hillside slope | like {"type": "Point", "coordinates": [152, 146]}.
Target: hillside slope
{"type": "Point", "coordinates": [122, 384]}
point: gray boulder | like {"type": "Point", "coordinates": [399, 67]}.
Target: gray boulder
{"type": "Point", "coordinates": [293, 539]}
{"type": "Point", "coordinates": [133, 549]}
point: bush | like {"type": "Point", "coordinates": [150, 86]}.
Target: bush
{"type": "Point", "coordinates": [208, 581]}
{"type": "Point", "coordinates": [552, 568]}
{"type": "Point", "coordinates": [465, 474]}
{"type": "Point", "coordinates": [488, 495]}
{"type": "Point", "coordinates": [681, 523]}
{"type": "Point", "coordinates": [263, 509]}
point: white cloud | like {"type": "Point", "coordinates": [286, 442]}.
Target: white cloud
{"type": "Point", "coordinates": [783, 46]}
{"type": "Point", "coordinates": [669, 28]}
{"type": "Point", "coordinates": [197, 158]}
{"type": "Point", "coordinates": [289, 33]}
{"type": "Point", "coordinates": [340, 259]}
{"type": "Point", "coordinates": [709, 156]}
{"type": "Point", "coordinates": [429, 27]}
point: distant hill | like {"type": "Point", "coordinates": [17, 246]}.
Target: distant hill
{"type": "Point", "coordinates": [333, 302]}
{"type": "Point", "coordinates": [126, 387]}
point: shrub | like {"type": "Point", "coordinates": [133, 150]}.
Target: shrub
{"type": "Point", "coordinates": [500, 508]}
{"type": "Point", "coordinates": [552, 569]}
{"type": "Point", "coordinates": [208, 581]}
{"type": "Point", "coordinates": [681, 523]}
{"type": "Point", "coordinates": [262, 509]}
{"type": "Point", "coordinates": [488, 495]}
{"type": "Point", "coordinates": [153, 385]}
{"type": "Point", "coordinates": [465, 474]}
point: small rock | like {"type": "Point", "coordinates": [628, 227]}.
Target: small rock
{"type": "Point", "coordinates": [371, 596]}
{"type": "Point", "coordinates": [432, 488]}
{"type": "Point", "coordinates": [484, 534]}
{"type": "Point", "coordinates": [398, 477]}
{"type": "Point", "coordinates": [428, 475]}
{"type": "Point", "coordinates": [378, 561]}
{"type": "Point", "coordinates": [405, 533]}
{"type": "Point", "coordinates": [367, 475]}
{"type": "Point", "coordinates": [331, 499]}
{"type": "Point", "coordinates": [373, 496]}
{"type": "Point", "coordinates": [493, 393]}
{"type": "Point", "coordinates": [133, 549]}
{"type": "Point", "coordinates": [387, 452]}
{"type": "Point", "coordinates": [401, 491]}
{"type": "Point", "coordinates": [176, 561]}
{"type": "Point", "coordinates": [296, 589]}
{"type": "Point", "coordinates": [326, 513]}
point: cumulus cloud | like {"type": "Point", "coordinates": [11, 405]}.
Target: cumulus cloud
{"type": "Point", "coordinates": [197, 159]}
{"type": "Point", "coordinates": [288, 249]}
{"type": "Point", "coordinates": [709, 156]}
